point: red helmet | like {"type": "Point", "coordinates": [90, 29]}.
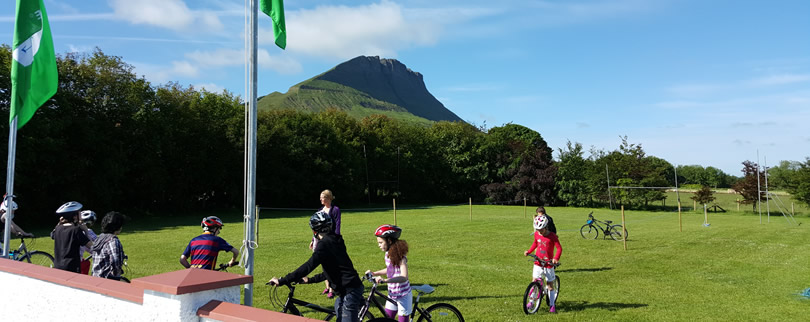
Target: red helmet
{"type": "Point", "coordinates": [388, 231]}
{"type": "Point", "coordinates": [210, 222]}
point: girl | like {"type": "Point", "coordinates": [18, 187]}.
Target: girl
{"type": "Point", "coordinates": [396, 271]}
{"type": "Point", "coordinates": [334, 213]}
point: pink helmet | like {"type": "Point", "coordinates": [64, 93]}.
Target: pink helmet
{"type": "Point", "coordinates": [540, 222]}
{"type": "Point", "coordinates": [388, 231]}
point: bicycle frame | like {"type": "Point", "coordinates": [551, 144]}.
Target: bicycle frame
{"type": "Point", "coordinates": [596, 222]}
{"type": "Point", "coordinates": [381, 306]}
{"type": "Point", "coordinates": [290, 305]}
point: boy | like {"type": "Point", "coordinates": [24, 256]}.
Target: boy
{"type": "Point", "coordinates": [204, 249]}
{"type": "Point", "coordinates": [544, 244]}
{"type": "Point", "coordinates": [108, 254]}
{"type": "Point", "coordinates": [68, 236]}
{"type": "Point", "coordinates": [330, 252]}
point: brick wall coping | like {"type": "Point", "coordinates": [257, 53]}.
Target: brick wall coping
{"type": "Point", "coordinates": [121, 290]}
{"type": "Point", "coordinates": [190, 281]}
{"type": "Point", "coordinates": [224, 311]}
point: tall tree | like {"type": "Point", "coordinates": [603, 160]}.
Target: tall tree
{"type": "Point", "coordinates": [748, 187]}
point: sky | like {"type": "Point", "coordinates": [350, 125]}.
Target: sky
{"type": "Point", "coordinates": [695, 82]}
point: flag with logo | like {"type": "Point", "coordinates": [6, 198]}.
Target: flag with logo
{"type": "Point", "coordinates": [275, 9]}
{"type": "Point", "coordinates": [34, 77]}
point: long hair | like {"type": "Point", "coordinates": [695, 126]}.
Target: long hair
{"type": "Point", "coordinates": [397, 249]}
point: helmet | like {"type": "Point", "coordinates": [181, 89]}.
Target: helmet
{"type": "Point", "coordinates": [388, 231]}
{"type": "Point", "coordinates": [88, 216]}
{"type": "Point", "coordinates": [540, 222]}
{"type": "Point", "coordinates": [210, 222]}
{"type": "Point", "coordinates": [4, 206]}
{"type": "Point", "coordinates": [320, 222]}
{"type": "Point", "coordinates": [69, 209]}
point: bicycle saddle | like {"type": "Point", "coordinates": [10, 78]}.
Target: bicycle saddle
{"type": "Point", "coordinates": [427, 289]}
{"type": "Point", "coordinates": [608, 221]}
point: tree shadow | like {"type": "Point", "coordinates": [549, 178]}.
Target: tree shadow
{"type": "Point", "coordinates": [610, 306]}
{"type": "Point", "coordinates": [576, 270]}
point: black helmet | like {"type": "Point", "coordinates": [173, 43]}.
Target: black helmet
{"type": "Point", "coordinates": [320, 222]}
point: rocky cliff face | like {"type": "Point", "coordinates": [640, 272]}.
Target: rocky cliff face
{"type": "Point", "coordinates": [390, 81]}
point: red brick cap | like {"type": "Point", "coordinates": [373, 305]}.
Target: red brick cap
{"type": "Point", "coordinates": [224, 311]}
{"type": "Point", "coordinates": [190, 280]}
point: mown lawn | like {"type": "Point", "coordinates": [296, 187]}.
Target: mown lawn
{"type": "Point", "coordinates": [735, 269]}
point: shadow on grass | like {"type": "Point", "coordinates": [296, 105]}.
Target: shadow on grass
{"type": "Point", "coordinates": [585, 305]}
{"type": "Point", "coordinates": [576, 270]}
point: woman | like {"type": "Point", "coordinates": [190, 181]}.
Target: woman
{"type": "Point", "coordinates": [334, 213]}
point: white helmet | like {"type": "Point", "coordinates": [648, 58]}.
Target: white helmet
{"type": "Point", "coordinates": [69, 209]}
{"type": "Point", "coordinates": [88, 216]}
{"type": "Point", "coordinates": [4, 206]}
{"type": "Point", "coordinates": [540, 222]}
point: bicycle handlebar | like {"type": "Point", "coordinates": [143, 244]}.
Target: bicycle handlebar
{"type": "Point", "coordinates": [225, 265]}
{"type": "Point", "coordinates": [545, 262]}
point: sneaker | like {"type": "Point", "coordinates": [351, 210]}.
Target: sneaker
{"type": "Point", "coordinates": [552, 310]}
{"type": "Point", "coordinates": [326, 290]}
{"type": "Point", "coordinates": [330, 295]}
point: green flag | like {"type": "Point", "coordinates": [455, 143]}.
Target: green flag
{"type": "Point", "coordinates": [34, 77]}
{"type": "Point", "coordinates": [275, 9]}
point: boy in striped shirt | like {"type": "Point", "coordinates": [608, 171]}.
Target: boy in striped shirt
{"type": "Point", "coordinates": [204, 249]}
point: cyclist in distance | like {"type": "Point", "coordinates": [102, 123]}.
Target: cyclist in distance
{"type": "Point", "coordinates": [68, 236]}
{"type": "Point", "coordinates": [87, 218]}
{"type": "Point", "coordinates": [108, 254]}
{"type": "Point", "coordinates": [15, 230]}
{"type": "Point", "coordinates": [544, 244]}
{"type": "Point", "coordinates": [330, 253]}
{"type": "Point", "coordinates": [395, 271]}
{"type": "Point", "coordinates": [334, 212]}
{"type": "Point", "coordinates": [204, 249]}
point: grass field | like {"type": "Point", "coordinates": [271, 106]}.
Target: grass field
{"type": "Point", "coordinates": [735, 269]}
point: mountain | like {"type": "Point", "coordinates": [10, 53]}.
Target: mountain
{"type": "Point", "coordinates": [363, 86]}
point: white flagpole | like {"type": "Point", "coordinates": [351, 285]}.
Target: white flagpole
{"type": "Point", "coordinates": [251, 169]}
{"type": "Point", "coordinates": [12, 154]}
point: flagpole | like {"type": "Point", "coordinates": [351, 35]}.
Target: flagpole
{"type": "Point", "coordinates": [12, 154]}
{"type": "Point", "coordinates": [251, 169]}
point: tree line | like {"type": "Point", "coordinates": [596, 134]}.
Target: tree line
{"type": "Point", "coordinates": [112, 140]}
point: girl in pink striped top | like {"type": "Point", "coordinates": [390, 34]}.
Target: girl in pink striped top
{"type": "Point", "coordinates": [396, 272]}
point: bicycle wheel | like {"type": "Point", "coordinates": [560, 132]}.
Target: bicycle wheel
{"type": "Point", "coordinates": [441, 312]}
{"type": "Point", "coordinates": [532, 297]}
{"type": "Point", "coordinates": [589, 231]}
{"type": "Point", "coordinates": [556, 287]}
{"type": "Point", "coordinates": [616, 232]}
{"type": "Point", "coordinates": [370, 317]}
{"type": "Point", "coordinates": [38, 258]}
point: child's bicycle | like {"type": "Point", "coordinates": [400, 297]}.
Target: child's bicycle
{"type": "Point", "coordinates": [125, 267]}
{"type": "Point", "coordinates": [224, 267]}
{"type": "Point", "coordinates": [435, 312]}
{"type": "Point", "coordinates": [34, 257]}
{"type": "Point", "coordinates": [591, 229]}
{"type": "Point", "coordinates": [290, 303]}
{"type": "Point", "coordinates": [537, 290]}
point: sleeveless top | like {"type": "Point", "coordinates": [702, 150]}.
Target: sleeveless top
{"type": "Point", "coordinates": [396, 290]}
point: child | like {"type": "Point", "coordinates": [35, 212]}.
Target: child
{"type": "Point", "coordinates": [204, 249]}
{"type": "Point", "coordinates": [541, 211]}
{"type": "Point", "coordinates": [68, 236]}
{"type": "Point", "coordinates": [108, 254]}
{"type": "Point", "coordinates": [330, 253]}
{"type": "Point", "coordinates": [396, 271]}
{"type": "Point", "coordinates": [14, 228]}
{"type": "Point", "coordinates": [87, 218]}
{"type": "Point", "coordinates": [334, 213]}
{"type": "Point", "coordinates": [544, 243]}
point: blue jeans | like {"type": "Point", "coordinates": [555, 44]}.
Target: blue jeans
{"type": "Point", "coordinates": [347, 307]}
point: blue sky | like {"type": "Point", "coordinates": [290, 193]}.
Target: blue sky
{"type": "Point", "coordinates": [692, 81]}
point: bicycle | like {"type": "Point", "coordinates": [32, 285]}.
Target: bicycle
{"type": "Point", "coordinates": [224, 267]}
{"type": "Point", "coordinates": [36, 257]}
{"type": "Point", "coordinates": [591, 229]}
{"type": "Point", "coordinates": [290, 307]}
{"type": "Point", "coordinates": [435, 312]}
{"type": "Point", "coordinates": [537, 289]}
{"type": "Point", "coordinates": [125, 268]}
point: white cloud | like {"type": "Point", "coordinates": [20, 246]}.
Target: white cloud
{"type": "Point", "coordinates": [345, 32]}
{"type": "Point", "coordinates": [552, 13]}
{"type": "Point", "coordinates": [161, 74]}
{"type": "Point", "coordinates": [236, 57]}
{"type": "Point", "coordinates": [783, 79]}
{"type": "Point", "coordinates": [171, 14]}
{"type": "Point", "coordinates": [211, 87]}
